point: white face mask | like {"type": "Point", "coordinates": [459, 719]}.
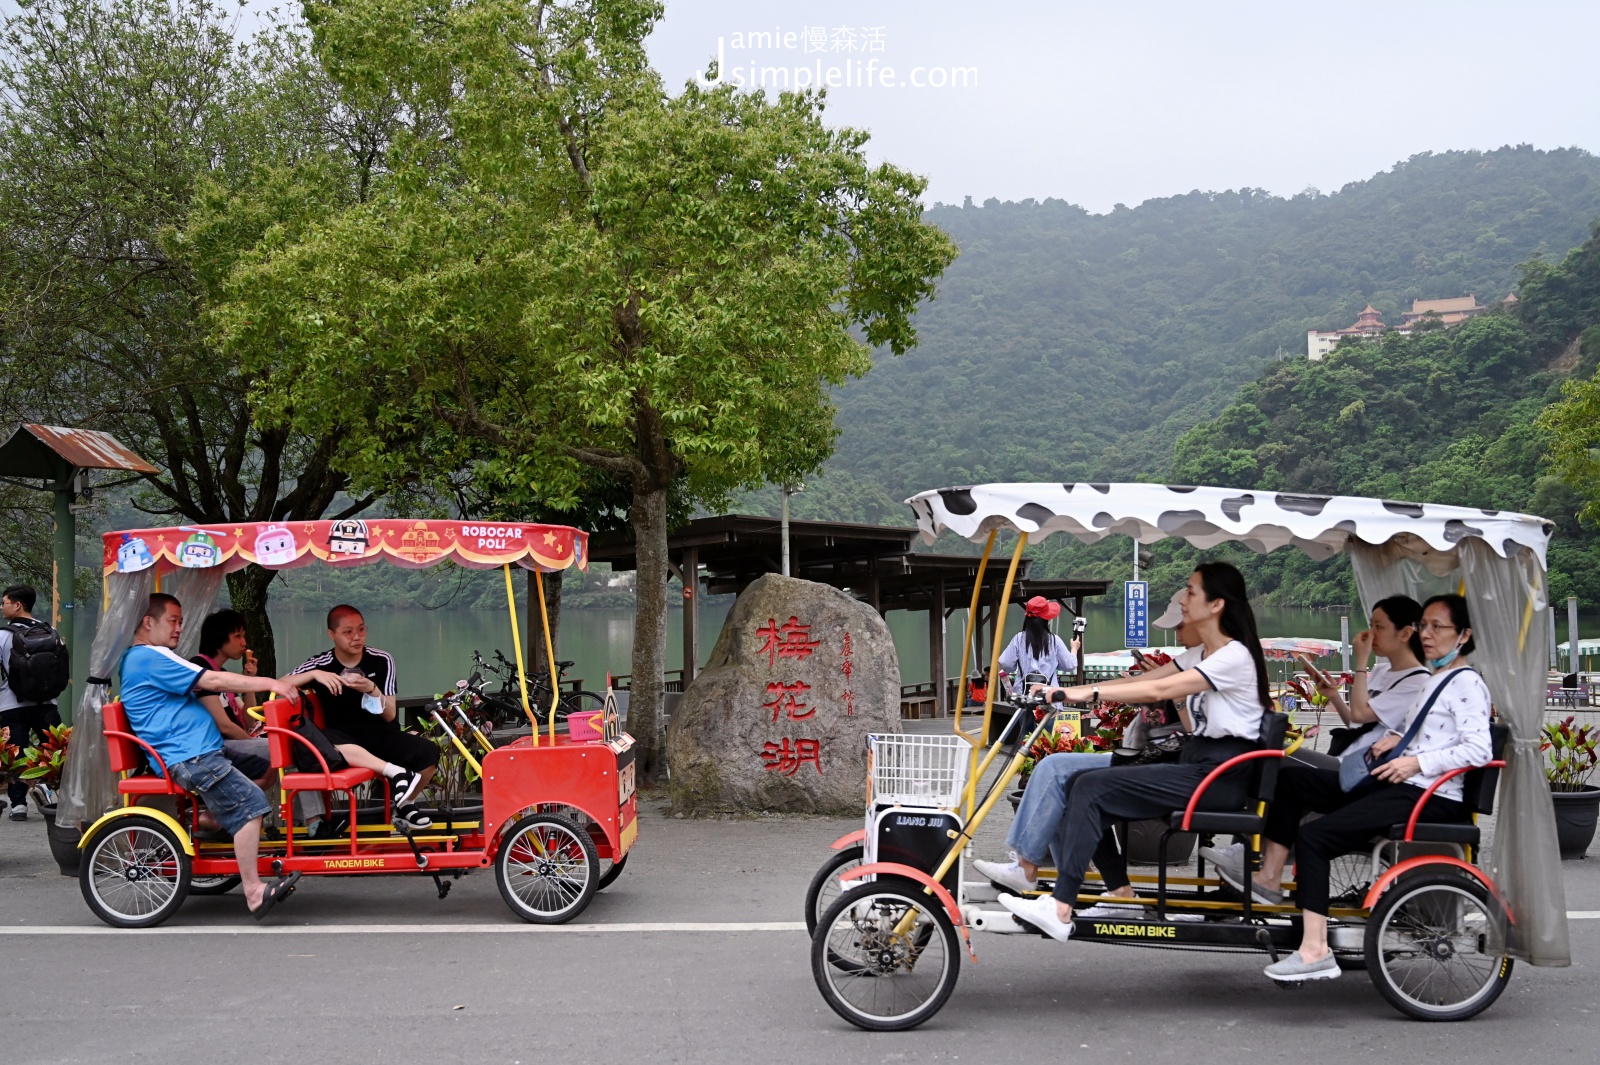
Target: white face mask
{"type": "Point", "coordinates": [372, 702]}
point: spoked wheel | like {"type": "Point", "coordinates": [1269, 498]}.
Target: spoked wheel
{"type": "Point", "coordinates": [1349, 878]}
{"type": "Point", "coordinates": [212, 885]}
{"type": "Point", "coordinates": [1427, 944]}
{"type": "Point", "coordinates": [611, 870]}
{"type": "Point", "coordinates": [547, 869]}
{"type": "Point", "coordinates": [826, 885]}
{"type": "Point", "coordinates": [885, 956]}
{"type": "Point", "coordinates": [134, 873]}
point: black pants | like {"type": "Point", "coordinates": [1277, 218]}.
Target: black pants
{"type": "Point", "coordinates": [23, 720]}
{"type": "Point", "coordinates": [1099, 797]}
{"type": "Point", "coordinates": [404, 749]}
{"type": "Point", "coordinates": [1349, 826]}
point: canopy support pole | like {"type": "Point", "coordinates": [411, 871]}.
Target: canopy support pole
{"type": "Point", "coordinates": [966, 644]}
{"type": "Point", "coordinates": [516, 640]}
{"type": "Point", "coordinates": [999, 621]}
{"type": "Point", "coordinates": [549, 656]}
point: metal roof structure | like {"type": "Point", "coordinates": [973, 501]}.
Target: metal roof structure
{"type": "Point", "coordinates": [874, 563]}
{"type": "Point", "coordinates": [35, 451]}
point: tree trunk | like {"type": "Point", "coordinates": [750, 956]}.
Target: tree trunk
{"type": "Point", "coordinates": [247, 588]}
{"type": "Point", "coordinates": [646, 719]}
{"type": "Point", "coordinates": [552, 602]}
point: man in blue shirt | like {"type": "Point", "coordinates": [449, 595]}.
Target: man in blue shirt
{"type": "Point", "coordinates": [159, 693]}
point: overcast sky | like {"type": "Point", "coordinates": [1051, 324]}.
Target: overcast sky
{"type": "Point", "coordinates": [1106, 103]}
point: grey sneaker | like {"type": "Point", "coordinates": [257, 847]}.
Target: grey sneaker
{"type": "Point", "coordinates": [1234, 876]}
{"type": "Point", "coordinates": [19, 812]}
{"type": "Point", "coordinates": [1296, 970]}
{"type": "Point", "coordinates": [1232, 855]}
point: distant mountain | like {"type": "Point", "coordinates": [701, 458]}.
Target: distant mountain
{"type": "Point", "coordinates": [1067, 345]}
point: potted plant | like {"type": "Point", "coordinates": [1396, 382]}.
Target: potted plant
{"type": "Point", "coordinates": [41, 770]}
{"type": "Point", "coordinates": [1570, 757]}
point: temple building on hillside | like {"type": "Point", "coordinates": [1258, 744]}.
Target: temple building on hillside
{"type": "Point", "coordinates": [1369, 322]}
{"type": "Point", "coordinates": [1452, 311]}
{"type": "Point", "coordinates": [1319, 342]}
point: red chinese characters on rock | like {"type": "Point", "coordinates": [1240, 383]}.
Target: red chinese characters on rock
{"type": "Point", "coordinates": [848, 695]}
{"type": "Point", "coordinates": [785, 698]}
{"type": "Point", "coordinates": [790, 755]}
{"type": "Point", "coordinates": [789, 640]}
{"type": "Point", "coordinates": [788, 698]}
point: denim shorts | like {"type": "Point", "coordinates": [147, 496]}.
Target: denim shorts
{"type": "Point", "coordinates": [232, 797]}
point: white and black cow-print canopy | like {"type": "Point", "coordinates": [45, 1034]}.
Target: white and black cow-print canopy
{"type": "Point", "coordinates": [1321, 526]}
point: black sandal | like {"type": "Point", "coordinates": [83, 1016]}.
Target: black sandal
{"type": "Point", "coordinates": [276, 893]}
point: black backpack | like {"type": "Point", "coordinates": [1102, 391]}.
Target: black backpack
{"type": "Point", "coordinates": [38, 669]}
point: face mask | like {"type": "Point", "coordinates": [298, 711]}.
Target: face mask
{"type": "Point", "coordinates": [1445, 660]}
{"type": "Point", "coordinates": [372, 702]}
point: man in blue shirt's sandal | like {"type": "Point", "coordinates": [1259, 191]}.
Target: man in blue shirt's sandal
{"type": "Point", "coordinates": [159, 691]}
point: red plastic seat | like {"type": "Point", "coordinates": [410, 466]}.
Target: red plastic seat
{"type": "Point", "coordinates": [282, 718]}
{"type": "Point", "coordinates": [130, 754]}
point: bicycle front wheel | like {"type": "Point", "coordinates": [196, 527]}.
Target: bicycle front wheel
{"type": "Point", "coordinates": [885, 956]}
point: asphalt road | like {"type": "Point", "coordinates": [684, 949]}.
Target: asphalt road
{"type": "Point", "coordinates": [461, 979]}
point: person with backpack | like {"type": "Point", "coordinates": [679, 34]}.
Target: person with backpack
{"type": "Point", "coordinates": [34, 670]}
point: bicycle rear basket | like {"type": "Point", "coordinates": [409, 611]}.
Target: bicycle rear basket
{"type": "Point", "coordinates": [917, 770]}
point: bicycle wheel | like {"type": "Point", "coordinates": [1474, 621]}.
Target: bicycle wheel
{"type": "Point", "coordinates": [611, 870]}
{"type": "Point", "coordinates": [134, 873]}
{"type": "Point", "coordinates": [1349, 877]}
{"type": "Point", "coordinates": [1427, 944]}
{"type": "Point", "coordinates": [826, 885]}
{"type": "Point", "coordinates": [546, 869]}
{"type": "Point", "coordinates": [212, 885]}
{"type": "Point", "coordinates": [579, 702]}
{"type": "Point", "coordinates": [875, 973]}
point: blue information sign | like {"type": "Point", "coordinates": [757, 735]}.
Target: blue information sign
{"type": "Point", "coordinates": [1136, 613]}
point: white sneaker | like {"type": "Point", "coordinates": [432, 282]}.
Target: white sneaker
{"type": "Point", "coordinates": [1041, 913]}
{"type": "Point", "coordinates": [1110, 908]}
{"type": "Point", "coordinates": [19, 812]}
{"type": "Point", "coordinates": [1006, 874]}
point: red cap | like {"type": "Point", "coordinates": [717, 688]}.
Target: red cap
{"type": "Point", "coordinates": [1040, 607]}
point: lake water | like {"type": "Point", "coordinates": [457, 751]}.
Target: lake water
{"type": "Point", "coordinates": [433, 649]}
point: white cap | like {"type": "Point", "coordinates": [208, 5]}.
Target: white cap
{"type": "Point", "coordinates": [1172, 617]}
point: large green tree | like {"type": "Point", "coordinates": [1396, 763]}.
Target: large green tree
{"type": "Point", "coordinates": [115, 117]}
{"type": "Point", "coordinates": [570, 271]}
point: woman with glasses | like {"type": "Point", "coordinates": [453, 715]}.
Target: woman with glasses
{"type": "Point", "coordinates": [1447, 728]}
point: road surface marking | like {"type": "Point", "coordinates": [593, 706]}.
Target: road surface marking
{"type": "Point", "coordinates": [401, 929]}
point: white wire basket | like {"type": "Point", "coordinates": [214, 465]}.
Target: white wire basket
{"type": "Point", "coordinates": [917, 770]}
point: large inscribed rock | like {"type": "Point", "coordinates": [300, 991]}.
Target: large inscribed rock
{"type": "Point", "coordinates": [778, 719]}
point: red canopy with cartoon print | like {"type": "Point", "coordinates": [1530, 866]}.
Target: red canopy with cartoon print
{"type": "Point", "coordinates": [348, 542]}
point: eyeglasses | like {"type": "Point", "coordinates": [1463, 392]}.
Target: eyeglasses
{"type": "Point", "coordinates": [1428, 626]}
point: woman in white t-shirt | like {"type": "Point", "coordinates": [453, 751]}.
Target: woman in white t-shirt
{"type": "Point", "coordinates": [1380, 697]}
{"type": "Point", "coordinates": [1225, 698]}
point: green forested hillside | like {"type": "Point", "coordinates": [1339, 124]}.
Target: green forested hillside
{"type": "Point", "coordinates": [1064, 345]}
{"type": "Point", "coordinates": [1449, 416]}
{"type": "Point", "coordinates": [1069, 345]}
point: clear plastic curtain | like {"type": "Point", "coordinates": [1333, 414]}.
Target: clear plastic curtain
{"type": "Point", "coordinates": [197, 590]}
{"type": "Point", "coordinates": [1509, 596]}
{"type": "Point", "coordinates": [87, 785]}
{"type": "Point", "coordinates": [1384, 570]}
